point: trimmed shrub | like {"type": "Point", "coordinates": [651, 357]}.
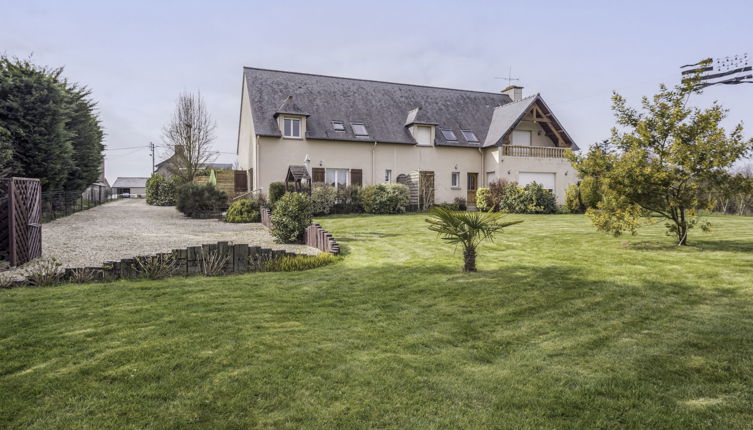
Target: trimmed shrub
{"type": "Point", "coordinates": [160, 191]}
{"type": "Point", "coordinates": [245, 210]}
{"type": "Point", "coordinates": [385, 198]}
{"type": "Point", "coordinates": [298, 262]}
{"type": "Point", "coordinates": [276, 191]}
{"type": "Point", "coordinates": [290, 217]}
{"type": "Point", "coordinates": [531, 199]}
{"type": "Point", "coordinates": [198, 200]}
{"type": "Point", "coordinates": [457, 205]}
{"type": "Point", "coordinates": [323, 198]}
{"type": "Point", "coordinates": [484, 199]}
{"type": "Point", "coordinates": [572, 199]}
{"type": "Point", "coordinates": [349, 200]}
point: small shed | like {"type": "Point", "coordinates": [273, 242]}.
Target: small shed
{"type": "Point", "coordinates": [298, 179]}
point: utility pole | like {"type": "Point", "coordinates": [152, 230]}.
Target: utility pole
{"type": "Point", "coordinates": [151, 146]}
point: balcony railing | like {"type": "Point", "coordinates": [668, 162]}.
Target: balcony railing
{"type": "Point", "coordinates": [533, 151]}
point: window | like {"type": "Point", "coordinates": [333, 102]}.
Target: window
{"type": "Point", "coordinates": [422, 134]}
{"type": "Point", "coordinates": [359, 129]}
{"type": "Point", "coordinates": [490, 177]}
{"type": "Point", "coordinates": [469, 136]}
{"type": "Point", "coordinates": [338, 125]}
{"type": "Point", "coordinates": [336, 177]}
{"type": "Point", "coordinates": [521, 138]}
{"type": "Point", "coordinates": [292, 127]}
{"type": "Point", "coordinates": [449, 134]}
{"type": "Point", "coordinates": [455, 180]}
{"type": "Point", "coordinates": [388, 176]}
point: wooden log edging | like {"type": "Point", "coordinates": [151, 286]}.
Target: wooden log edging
{"type": "Point", "coordinates": [240, 258]}
{"type": "Point", "coordinates": [314, 235]}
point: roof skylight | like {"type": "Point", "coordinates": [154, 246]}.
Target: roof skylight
{"type": "Point", "coordinates": [359, 129]}
{"type": "Point", "coordinates": [449, 134]}
{"type": "Point", "coordinates": [338, 125]}
{"type": "Point", "coordinates": [469, 136]}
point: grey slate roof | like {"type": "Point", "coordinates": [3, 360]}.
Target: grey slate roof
{"type": "Point", "coordinates": [298, 172]}
{"type": "Point", "coordinates": [129, 182]}
{"type": "Point", "coordinates": [385, 108]}
{"type": "Point", "coordinates": [505, 117]}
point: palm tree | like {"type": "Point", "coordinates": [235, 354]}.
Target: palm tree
{"type": "Point", "coordinates": [468, 229]}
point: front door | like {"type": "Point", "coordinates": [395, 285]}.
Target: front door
{"type": "Point", "coordinates": [472, 186]}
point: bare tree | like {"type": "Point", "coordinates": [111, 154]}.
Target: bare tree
{"type": "Point", "coordinates": [188, 136]}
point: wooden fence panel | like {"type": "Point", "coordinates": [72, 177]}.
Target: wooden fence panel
{"type": "Point", "coordinates": [20, 219]}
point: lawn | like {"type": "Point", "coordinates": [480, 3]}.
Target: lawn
{"type": "Point", "coordinates": [562, 327]}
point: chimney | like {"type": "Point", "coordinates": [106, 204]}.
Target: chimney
{"type": "Point", "coordinates": [515, 92]}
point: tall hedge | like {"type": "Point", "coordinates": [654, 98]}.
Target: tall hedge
{"type": "Point", "coordinates": [49, 127]}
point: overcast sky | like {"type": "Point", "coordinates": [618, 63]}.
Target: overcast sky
{"type": "Point", "coordinates": [138, 56]}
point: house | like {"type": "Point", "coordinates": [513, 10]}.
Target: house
{"type": "Point", "coordinates": [98, 191]}
{"type": "Point", "coordinates": [129, 187]}
{"type": "Point", "coordinates": [166, 167]}
{"type": "Point", "coordinates": [361, 132]}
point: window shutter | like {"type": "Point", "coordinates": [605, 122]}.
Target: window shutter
{"type": "Point", "coordinates": [355, 177]}
{"type": "Point", "coordinates": [317, 175]}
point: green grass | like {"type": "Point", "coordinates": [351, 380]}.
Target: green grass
{"type": "Point", "coordinates": [562, 327]}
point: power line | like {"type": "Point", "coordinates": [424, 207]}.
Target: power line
{"type": "Point", "coordinates": [126, 148]}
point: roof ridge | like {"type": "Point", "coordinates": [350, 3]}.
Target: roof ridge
{"type": "Point", "coordinates": [372, 80]}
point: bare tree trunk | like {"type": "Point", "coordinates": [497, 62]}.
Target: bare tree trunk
{"type": "Point", "coordinates": [682, 229]}
{"type": "Point", "coordinates": [188, 137]}
{"type": "Point", "coordinates": [469, 259]}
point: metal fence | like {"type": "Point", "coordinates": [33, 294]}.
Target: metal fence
{"type": "Point", "coordinates": [57, 204]}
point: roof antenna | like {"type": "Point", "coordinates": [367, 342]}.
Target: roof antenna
{"type": "Point", "coordinates": [509, 77]}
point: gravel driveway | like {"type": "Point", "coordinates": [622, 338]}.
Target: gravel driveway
{"type": "Point", "coordinates": [129, 227]}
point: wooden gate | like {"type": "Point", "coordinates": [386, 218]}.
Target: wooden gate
{"type": "Point", "coordinates": [20, 220]}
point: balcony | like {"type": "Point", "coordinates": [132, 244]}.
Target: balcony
{"type": "Point", "coordinates": [533, 151]}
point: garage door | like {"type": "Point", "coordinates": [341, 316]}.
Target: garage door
{"type": "Point", "coordinates": [546, 180]}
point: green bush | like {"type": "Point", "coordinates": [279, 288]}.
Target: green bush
{"type": "Point", "coordinates": [199, 200]}
{"type": "Point", "coordinates": [385, 198]}
{"type": "Point", "coordinates": [245, 210]}
{"type": "Point", "coordinates": [572, 199]}
{"type": "Point", "coordinates": [290, 217]}
{"type": "Point", "coordinates": [276, 191]}
{"type": "Point", "coordinates": [590, 192]}
{"type": "Point", "coordinates": [457, 205]}
{"type": "Point", "coordinates": [323, 198]}
{"type": "Point", "coordinates": [484, 199]}
{"type": "Point", "coordinates": [160, 191]}
{"type": "Point", "coordinates": [298, 262]}
{"type": "Point", "coordinates": [349, 200]}
{"type": "Point", "coordinates": [531, 199]}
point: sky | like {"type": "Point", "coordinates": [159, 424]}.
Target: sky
{"type": "Point", "coordinates": [138, 56]}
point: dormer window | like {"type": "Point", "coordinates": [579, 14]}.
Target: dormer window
{"type": "Point", "coordinates": [469, 136]}
{"type": "Point", "coordinates": [359, 129]}
{"type": "Point", "coordinates": [449, 135]}
{"type": "Point", "coordinates": [292, 127]}
{"type": "Point", "coordinates": [338, 125]}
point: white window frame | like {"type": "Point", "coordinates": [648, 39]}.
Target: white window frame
{"type": "Point", "coordinates": [455, 180]}
{"type": "Point", "coordinates": [292, 120]}
{"type": "Point", "coordinates": [516, 142]}
{"type": "Point", "coordinates": [428, 130]}
{"type": "Point", "coordinates": [337, 171]}
{"type": "Point", "coordinates": [388, 176]}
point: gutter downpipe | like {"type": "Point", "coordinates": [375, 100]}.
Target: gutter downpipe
{"type": "Point", "coordinates": [256, 163]}
{"type": "Point", "coordinates": [373, 151]}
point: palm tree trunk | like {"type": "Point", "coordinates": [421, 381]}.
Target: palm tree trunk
{"type": "Point", "coordinates": [469, 257]}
